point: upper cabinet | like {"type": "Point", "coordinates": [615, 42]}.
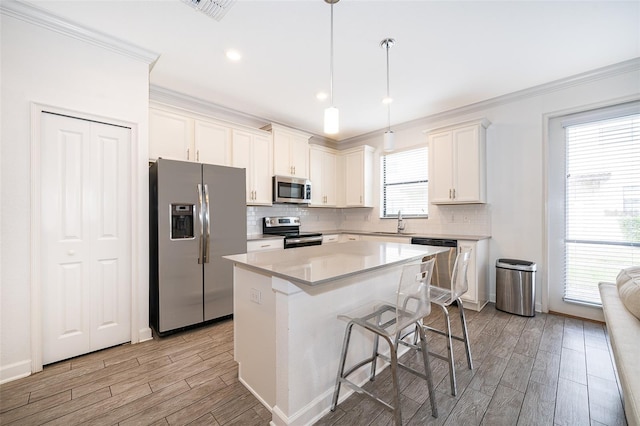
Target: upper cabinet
{"type": "Point", "coordinates": [212, 143]}
{"type": "Point", "coordinates": [323, 172]}
{"type": "Point", "coordinates": [290, 151]}
{"type": "Point", "coordinates": [252, 151]}
{"type": "Point", "coordinates": [182, 137]}
{"type": "Point", "coordinates": [170, 135]}
{"type": "Point", "coordinates": [457, 163]}
{"type": "Point", "coordinates": [357, 164]}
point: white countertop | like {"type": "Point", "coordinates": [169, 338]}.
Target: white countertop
{"type": "Point", "coordinates": [253, 237]}
{"type": "Point", "coordinates": [315, 265]}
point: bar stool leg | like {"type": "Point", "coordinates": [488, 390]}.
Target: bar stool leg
{"type": "Point", "coordinates": [427, 371]}
{"type": "Point", "coordinates": [452, 365]}
{"type": "Point", "coordinates": [343, 359]}
{"type": "Point", "coordinates": [374, 355]}
{"type": "Point", "coordinates": [393, 355]}
{"type": "Point", "coordinates": [465, 334]}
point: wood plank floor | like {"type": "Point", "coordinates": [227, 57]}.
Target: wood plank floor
{"type": "Point", "coordinates": [545, 370]}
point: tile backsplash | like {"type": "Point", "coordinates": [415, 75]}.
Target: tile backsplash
{"type": "Point", "coordinates": [467, 219]}
{"type": "Point", "coordinates": [312, 219]}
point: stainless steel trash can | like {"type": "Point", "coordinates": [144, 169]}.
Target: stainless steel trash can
{"type": "Point", "coordinates": [516, 286]}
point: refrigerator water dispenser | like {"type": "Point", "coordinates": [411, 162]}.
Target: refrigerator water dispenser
{"type": "Point", "coordinates": [182, 221]}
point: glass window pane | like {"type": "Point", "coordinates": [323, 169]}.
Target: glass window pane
{"type": "Point", "coordinates": [405, 183]}
{"type": "Point", "coordinates": [602, 204]}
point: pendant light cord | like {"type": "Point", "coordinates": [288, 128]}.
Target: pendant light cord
{"type": "Point", "coordinates": [331, 66]}
{"type": "Point", "coordinates": [388, 96]}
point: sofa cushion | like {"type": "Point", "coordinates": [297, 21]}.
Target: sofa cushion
{"type": "Point", "coordinates": [624, 333]}
{"type": "Point", "coordinates": [628, 282]}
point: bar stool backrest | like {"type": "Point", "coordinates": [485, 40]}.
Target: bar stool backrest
{"type": "Point", "coordinates": [413, 300]}
{"type": "Point", "coordinates": [459, 283]}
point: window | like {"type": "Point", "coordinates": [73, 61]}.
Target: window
{"type": "Point", "coordinates": [602, 203]}
{"type": "Point", "coordinates": [404, 183]}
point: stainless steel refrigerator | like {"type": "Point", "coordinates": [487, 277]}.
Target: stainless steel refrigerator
{"type": "Point", "coordinates": [197, 214]}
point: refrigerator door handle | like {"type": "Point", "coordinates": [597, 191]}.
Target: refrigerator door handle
{"type": "Point", "coordinates": [201, 216]}
{"type": "Point", "coordinates": [207, 221]}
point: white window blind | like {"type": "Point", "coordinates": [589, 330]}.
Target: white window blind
{"type": "Point", "coordinates": [405, 183]}
{"type": "Point", "coordinates": [602, 221]}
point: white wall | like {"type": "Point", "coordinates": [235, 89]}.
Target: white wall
{"type": "Point", "coordinates": [39, 65]}
{"type": "Point", "coordinates": [515, 213]}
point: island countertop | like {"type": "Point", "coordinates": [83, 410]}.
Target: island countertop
{"type": "Point", "coordinates": [315, 265]}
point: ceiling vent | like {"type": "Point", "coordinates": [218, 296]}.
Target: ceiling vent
{"type": "Point", "coordinates": [215, 9]}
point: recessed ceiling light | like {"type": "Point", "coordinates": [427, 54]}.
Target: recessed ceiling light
{"type": "Point", "coordinates": [321, 96]}
{"type": "Point", "coordinates": [387, 100]}
{"type": "Point", "coordinates": [233, 55]}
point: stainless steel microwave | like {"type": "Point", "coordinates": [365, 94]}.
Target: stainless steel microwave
{"type": "Point", "coordinates": [291, 190]}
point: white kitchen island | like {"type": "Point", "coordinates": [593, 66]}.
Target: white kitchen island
{"type": "Point", "coordinates": [287, 337]}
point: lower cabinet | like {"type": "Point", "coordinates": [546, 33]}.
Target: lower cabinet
{"type": "Point", "coordinates": [477, 274]}
{"type": "Point", "coordinates": [387, 238]}
{"type": "Point", "coordinates": [261, 245]}
{"type": "Point", "coordinates": [331, 238]}
{"type": "Point", "coordinates": [348, 237]}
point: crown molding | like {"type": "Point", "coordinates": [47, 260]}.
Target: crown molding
{"type": "Point", "coordinates": [171, 98]}
{"type": "Point", "coordinates": [613, 70]}
{"type": "Point", "coordinates": [42, 18]}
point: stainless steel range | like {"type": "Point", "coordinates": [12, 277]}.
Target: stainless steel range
{"type": "Point", "coordinates": [289, 227]}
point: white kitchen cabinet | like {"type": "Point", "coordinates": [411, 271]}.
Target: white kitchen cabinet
{"type": "Point", "coordinates": [212, 143]}
{"type": "Point", "coordinates": [252, 151]}
{"type": "Point", "coordinates": [290, 151]}
{"type": "Point", "coordinates": [170, 135]}
{"type": "Point", "coordinates": [387, 238]}
{"type": "Point", "coordinates": [323, 169]}
{"type": "Point", "coordinates": [348, 237]}
{"type": "Point", "coordinates": [331, 238]}
{"type": "Point", "coordinates": [262, 245]}
{"type": "Point", "coordinates": [357, 170]}
{"type": "Point", "coordinates": [457, 163]}
{"type": "Point", "coordinates": [477, 274]}
{"type": "Point", "coordinates": [183, 137]}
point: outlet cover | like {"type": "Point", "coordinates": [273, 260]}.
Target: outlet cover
{"type": "Point", "coordinates": [256, 296]}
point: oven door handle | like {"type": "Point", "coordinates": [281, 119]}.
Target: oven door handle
{"type": "Point", "coordinates": [303, 240]}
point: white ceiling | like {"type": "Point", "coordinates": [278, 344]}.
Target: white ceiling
{"type": "Point", "coordinates": [447, 54]}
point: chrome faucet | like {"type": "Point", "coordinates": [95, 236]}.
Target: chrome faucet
{"type": "Point", "coordinates": [400, 222]}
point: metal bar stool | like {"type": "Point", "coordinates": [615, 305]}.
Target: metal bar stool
{"type": "Point", "coordinates": [388, 321]}
{"type": "Point", "coordinates": [445, 297]}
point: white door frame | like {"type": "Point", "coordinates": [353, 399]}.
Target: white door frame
{"type": "Point", "coordinates": [551, 272]}
{"type": "Point", "coordinates": [36, 246]}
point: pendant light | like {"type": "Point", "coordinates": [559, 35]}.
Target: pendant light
{"type": "Point", "coordinates": [331, 115]}
{"type": "Point", "coordinates": [389, 136]}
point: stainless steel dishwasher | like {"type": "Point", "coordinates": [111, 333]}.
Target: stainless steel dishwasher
{"type": "Point", "coordinates": [443, 267]}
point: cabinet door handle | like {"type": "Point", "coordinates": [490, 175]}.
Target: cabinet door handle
{"type": "Point", "coordinates": [187, 153]}
{"type": "Point", "coordinates": [449, 193]}
{"type": "Point", "coordinates": [294, 170]}
{"type": "Point", "coordinates": [454, 193]}
{"type": "Point", "coordinates": [198, 155]}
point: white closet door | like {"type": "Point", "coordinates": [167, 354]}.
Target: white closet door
{"type": "Point", "coordinates": [86, 236]}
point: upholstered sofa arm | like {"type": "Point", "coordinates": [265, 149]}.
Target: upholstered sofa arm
{"type": "Point", "coordinates": [624, 334]}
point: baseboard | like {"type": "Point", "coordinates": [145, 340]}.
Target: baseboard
{"type": "Point", "coordinates": [15, 371]}
{"type": "Point", "coordinates": [144, 334]}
